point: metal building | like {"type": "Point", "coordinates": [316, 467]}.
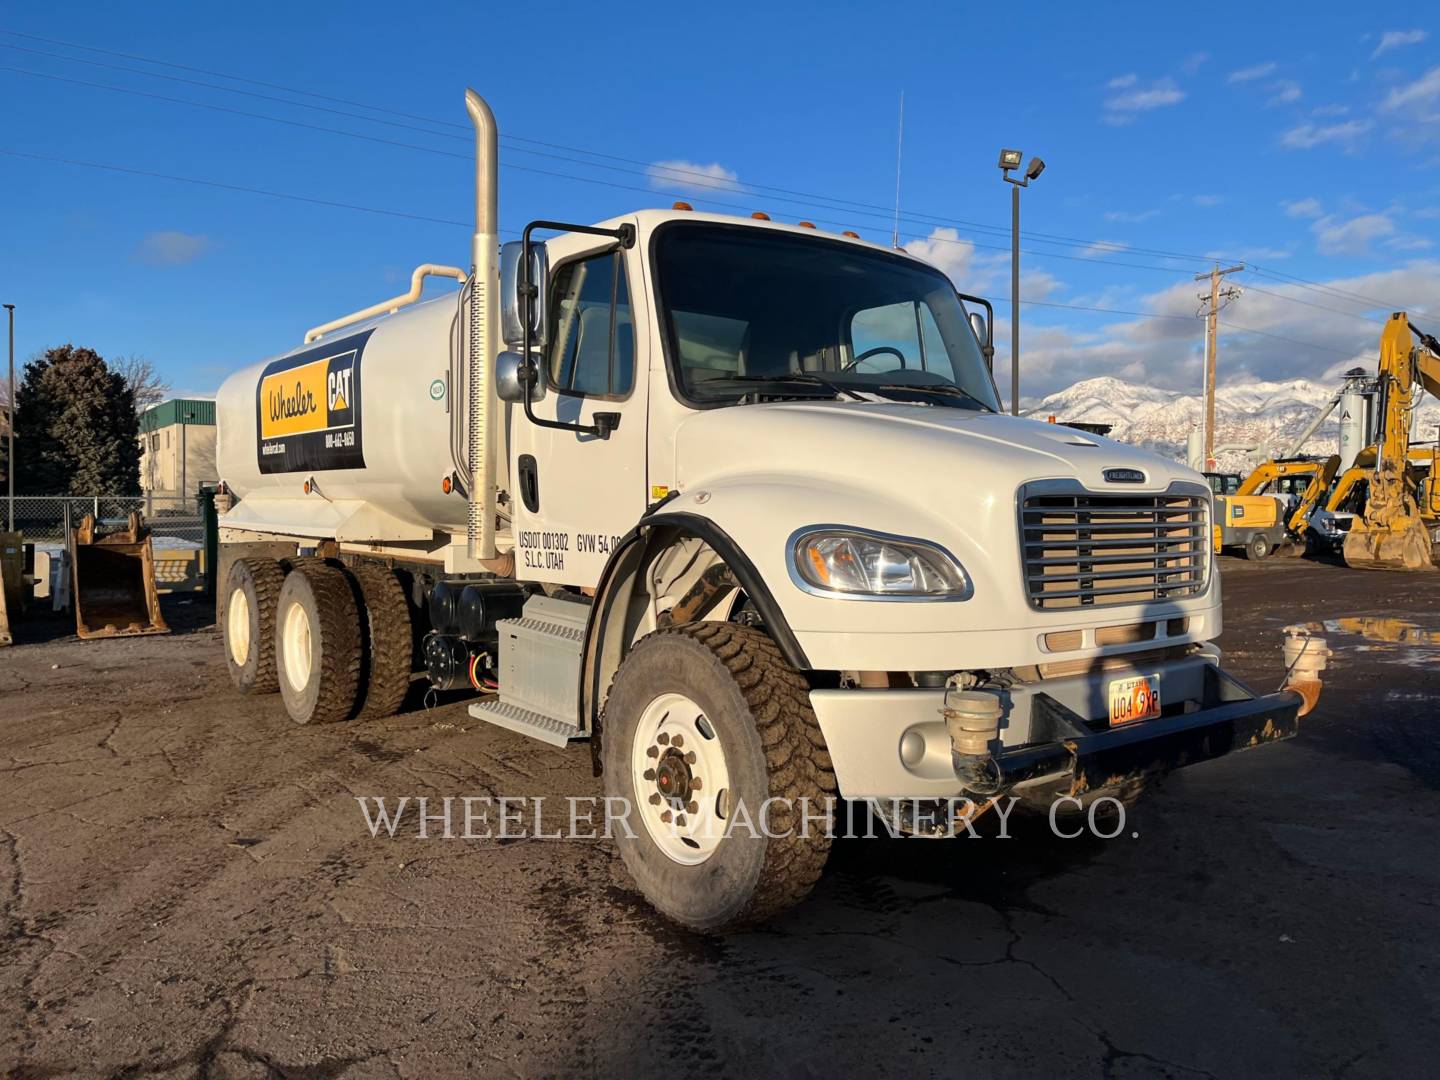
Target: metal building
{"type": "Point", "coordinates": [177, 446]}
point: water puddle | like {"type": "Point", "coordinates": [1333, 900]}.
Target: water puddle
{"type": "Point", "coordinates": [1395, 640]}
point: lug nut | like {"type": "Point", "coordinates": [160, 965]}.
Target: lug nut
{"type": "Point", "coordinates": [695, 783]}
{"type": "Point", "coordinates": [692, 808]}
{"type": "Point", "coordinates": [652, 751]}
{"type": "Point", "coordinates": [679, 740]}
{"type": "Point", "coordinates": [655, 799]}
{"type": "Point", "coordinates": [665, 817]}
{"type": "Point", "coordinates": [680, 819]}
{"type": "Point", "coordinates": [649, 774]}
{"type": "Point", "coordinates": [663, 739]}
{"type": "Point", "coordinates": [690, 757]}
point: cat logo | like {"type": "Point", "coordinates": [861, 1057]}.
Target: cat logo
{"type": "Point", "coordinates": [339, 383]}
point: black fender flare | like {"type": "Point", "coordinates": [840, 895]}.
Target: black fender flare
{"type": "Point", "coordinates": [605, 630]}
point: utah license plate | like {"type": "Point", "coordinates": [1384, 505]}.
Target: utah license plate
{"type": "Point", "coordinates": [1134, 699]}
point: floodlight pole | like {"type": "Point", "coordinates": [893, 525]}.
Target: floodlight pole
{"type": "Point", "coordinates": [1010, 159]}
{"type": "Point", "coordinates": [1014, 297]}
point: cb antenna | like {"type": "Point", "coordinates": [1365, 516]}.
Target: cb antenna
{"type": "Point", "coordinates": [899, 150]}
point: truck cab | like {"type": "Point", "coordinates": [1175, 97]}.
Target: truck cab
{"type": "Point", "coordinates": [747, 516]}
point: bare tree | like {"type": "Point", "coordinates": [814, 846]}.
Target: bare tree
{"type": "Point", "coordinates": [142, 379]}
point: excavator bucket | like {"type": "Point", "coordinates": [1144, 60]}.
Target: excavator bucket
{"type": "Point", "coordinates": [113, 576]}
{"type": "Point", "coordinates": [12, 570]}
{"type": "Point", "coordinates": [1405, 546]}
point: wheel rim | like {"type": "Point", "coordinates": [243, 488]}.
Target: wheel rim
{"type": "Point", "coordinates": [237, 626]}
{"type": "Point", "coordinates": [682, 784]}
{"type": "Point", "coordinates": [295, 643]}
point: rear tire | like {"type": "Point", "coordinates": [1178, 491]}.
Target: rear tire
{"type": "Point", "coordinates": [387, 640]}
{"type": "Point", "coordinates": [317, 650]}
{"type": "Point", "coordinates": [745, 715]}
{"type": "Point", "coordinates": [1258, 548]}
{"type": "Point", "coordinates": [252, 591]}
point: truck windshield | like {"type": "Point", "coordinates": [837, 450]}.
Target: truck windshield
{"type": "Point", "coordinates": [753, 312]}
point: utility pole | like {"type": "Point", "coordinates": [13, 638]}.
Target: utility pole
{"type": "Point", "coordinates": [10, 393]}
{"type": "Point", "coordinates": [1210, 308]}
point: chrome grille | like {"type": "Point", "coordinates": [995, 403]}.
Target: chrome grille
{"type": "Point", "coordinates": [1089, 549]}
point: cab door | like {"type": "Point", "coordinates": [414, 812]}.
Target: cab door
{"type": "Point", "coordinates": [574, 495]}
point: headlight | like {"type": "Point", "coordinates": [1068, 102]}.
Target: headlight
{"type": "Point", "coordinates": [1237, 511]}
{"type": "Point", "coordinates": [849, 562]}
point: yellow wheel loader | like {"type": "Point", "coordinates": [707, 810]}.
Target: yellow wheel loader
{"type": "Point", "coordinates": [1391, 533]}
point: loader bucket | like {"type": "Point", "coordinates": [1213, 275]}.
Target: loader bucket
{"type": "Point", "coordinates": [1402, 548]}
{"type": "Point", "coordinates": [113, 576]}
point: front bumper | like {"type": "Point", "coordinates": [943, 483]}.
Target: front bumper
{"type": "Point", "coordinates": [893, 744]}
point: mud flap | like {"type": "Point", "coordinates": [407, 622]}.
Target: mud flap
{"type": "Point", "coordinates": [113, 578]}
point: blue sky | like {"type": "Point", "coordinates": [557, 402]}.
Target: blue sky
{"type": "Point", "coordinates": [1304, 139]}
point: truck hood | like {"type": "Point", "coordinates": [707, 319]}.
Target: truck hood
{"type": "Point", "coordinates": [902, 447]}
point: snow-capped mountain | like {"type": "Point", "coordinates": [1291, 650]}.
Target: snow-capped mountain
{"type": "Point", "coordinates": [1269, 415]}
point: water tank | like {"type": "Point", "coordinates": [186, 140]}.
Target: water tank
{"type": "Point", "coordinates": [1355, 404]}
{"type": "Point", "coordinates": [365, 413]}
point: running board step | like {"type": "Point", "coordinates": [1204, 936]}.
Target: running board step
{"type": "Point", "coordinates": [536, 725]}
{"type": "Point", "coordinates": [539, 672]}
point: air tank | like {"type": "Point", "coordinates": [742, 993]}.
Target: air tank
{"type": "Point", "coordinates": [1355, 406]}
{"type": "Point", "coordinates": [364, 414]}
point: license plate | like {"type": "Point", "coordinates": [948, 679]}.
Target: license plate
{"type": "Point", "coordinates": [1134, 699]}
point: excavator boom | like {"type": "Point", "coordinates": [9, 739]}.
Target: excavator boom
{"type": "Point", "coordinates": [1391, 534]}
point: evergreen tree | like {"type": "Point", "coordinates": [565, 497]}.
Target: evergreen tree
{"type": "Point", "coordinates": [76, 432]}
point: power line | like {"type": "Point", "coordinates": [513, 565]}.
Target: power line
{"type": "Point", "coordinates": [650, 170]}
{"type": "Point", "coordinates": [382, 211]}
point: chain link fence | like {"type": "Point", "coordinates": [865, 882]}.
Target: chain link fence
{"type": "Point", "coordinates": [175, 521]}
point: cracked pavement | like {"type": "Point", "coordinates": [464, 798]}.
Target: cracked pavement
{"type": "Point", "coordinates": [188, 888]}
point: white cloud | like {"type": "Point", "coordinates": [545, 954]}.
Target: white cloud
{"type": "Point", "coordinates": [1102, 247]}
{"type": "Point", "coordinates": [1423, 91]}
{"type": "Point", "coordinates": [1062, 347]}
{"type": "Point", "coordinates": [1130, 217]}
{"type": "Point", "coordinates": [1353, 237]}
{"type": "Point", "coordinates": [1308, 208]}
{"type": "Point", "coordinates": [692, 177]}
{"type": "Point", "coordinates": [1308, 136]}
{"type": "Point", "coordinates": [1194, 62]}
{"type": "Point", "coordinates": [1122, 81]}
{"type": "Point", "coordinates": [1330, 110]}
{"type": "Point", "coordinates": [981, 273]}
{"type": "Point", "coordinates": [1208, 200]}
{"type": "Point", "coordinates": [1136, 97]}
{"type": "Point", "coordinates": [172, 248]}
{"type": "Point", "coordinates": [1409, 243]}
{"type": "Point", "coordinates": [1284, 92]}
{"type": "Point", "coordinates": [1394, 39]}
{"type": "Point", "coordinates": [1259, 71]}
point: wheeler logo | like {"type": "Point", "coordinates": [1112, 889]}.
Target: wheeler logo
{"type": "Point", "coordinates": [1124, 476]}
{"type": "Point", "coordinates": [308, 409]}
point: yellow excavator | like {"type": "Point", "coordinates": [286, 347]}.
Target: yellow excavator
{"type": "Point", "coordinates": [1270, 510]}
{"type": "Point", "coordinates": [1392, 532]}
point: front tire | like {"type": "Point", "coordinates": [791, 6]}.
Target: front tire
{"type": "Point", "coordinates": [317, 644]}
{"type": "Point", "coordinates": [717, 703]}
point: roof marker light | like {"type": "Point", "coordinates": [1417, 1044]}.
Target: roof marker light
{"type": "Point", "coordinates": [677, 205]}
{"type": "Point", "coordinates": [760, 215]}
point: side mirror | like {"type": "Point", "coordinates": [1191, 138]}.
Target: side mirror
{"type": "Point", "coordinates": [514, 308]}
{"type": "Point", "coordinates": [980, 327]}
{"type": "Point", "coordinates": [514, 377]}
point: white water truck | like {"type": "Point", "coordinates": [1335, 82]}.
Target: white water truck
{"type": "Point", "coordinates": [735, 501]}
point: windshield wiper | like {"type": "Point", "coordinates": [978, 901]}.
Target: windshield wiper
{"type": "Point", "coordinates": [796, 377]}
{"type": "Point", "coordinates": [934, 388]}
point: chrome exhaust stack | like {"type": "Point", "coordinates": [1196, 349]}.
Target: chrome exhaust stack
{"type": "Point", "coordinates": [482, 332]}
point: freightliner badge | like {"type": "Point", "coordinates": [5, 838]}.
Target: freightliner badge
{"type": "Point", "coordinates": [308, 409]}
